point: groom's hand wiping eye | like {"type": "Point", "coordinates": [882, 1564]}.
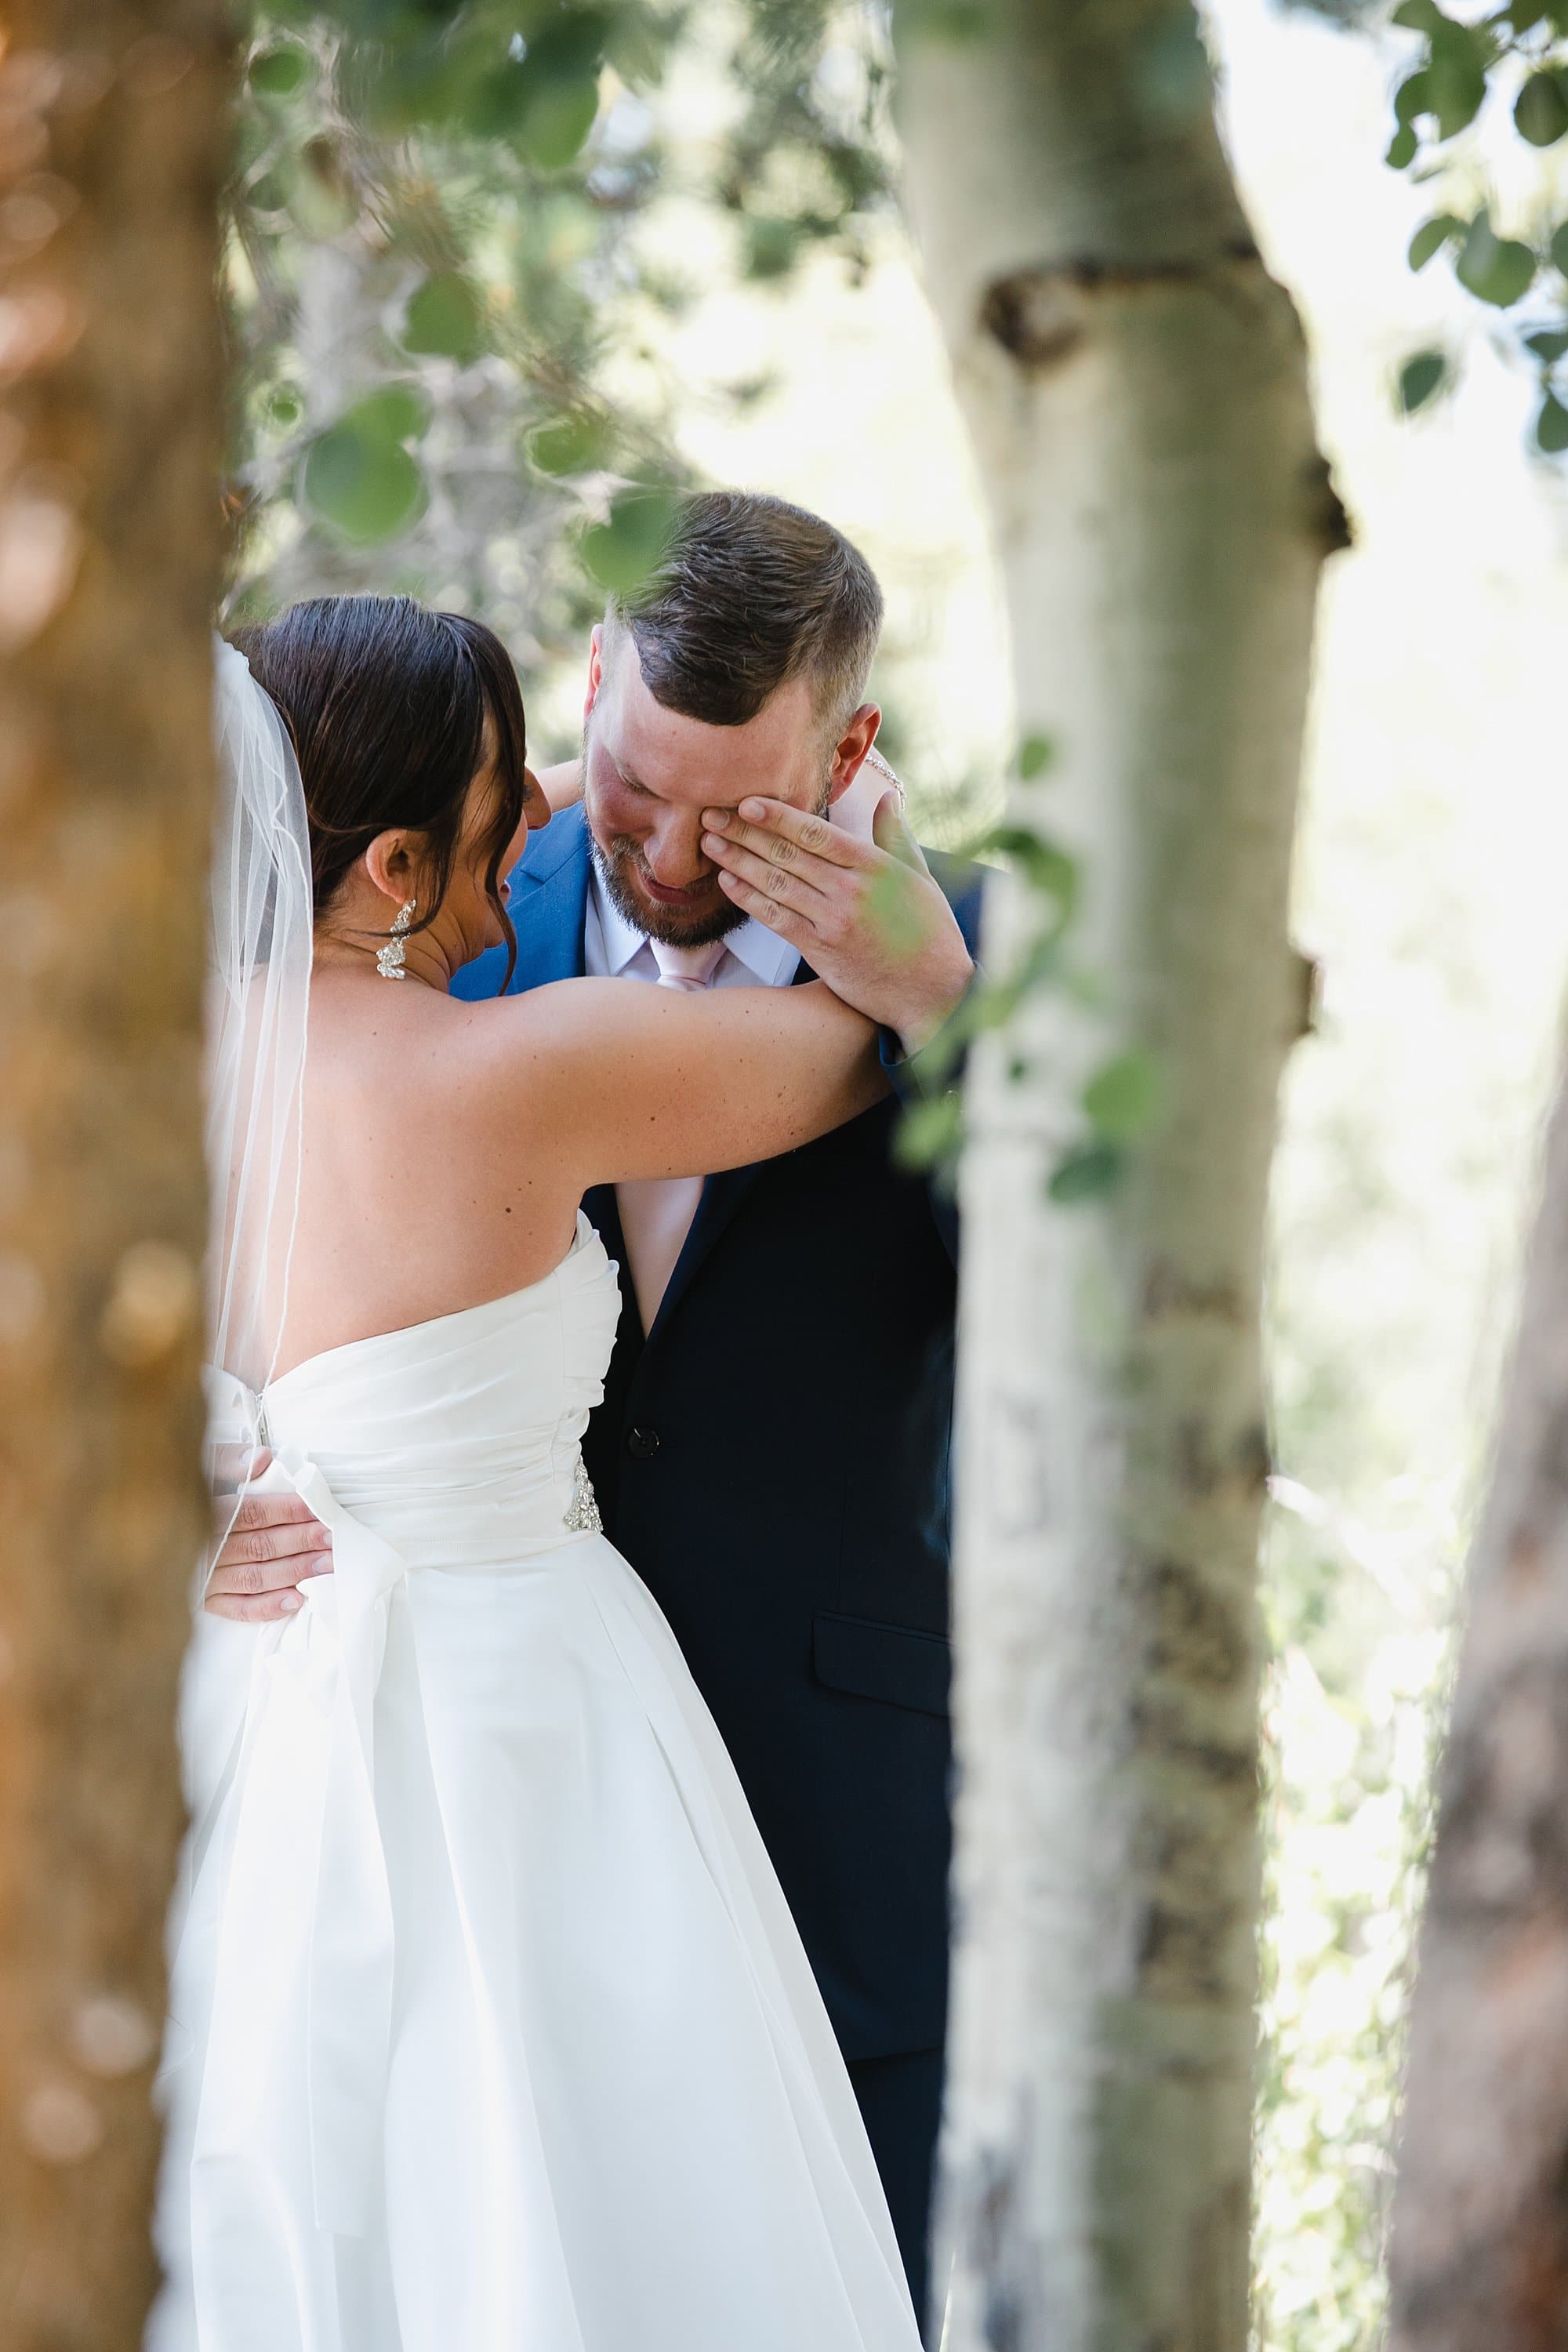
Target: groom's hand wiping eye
{"type": "Point", "coordinates": [865, 915]}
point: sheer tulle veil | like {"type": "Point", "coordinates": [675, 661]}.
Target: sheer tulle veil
{"type": "Point", "coordinates": [257, 999]}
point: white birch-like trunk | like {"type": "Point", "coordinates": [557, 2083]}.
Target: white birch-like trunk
{"type": "Point", "coordinates": [1136, 388]}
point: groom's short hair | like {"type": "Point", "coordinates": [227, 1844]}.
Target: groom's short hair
{"type": "Point", "coordinates": [748, 593]}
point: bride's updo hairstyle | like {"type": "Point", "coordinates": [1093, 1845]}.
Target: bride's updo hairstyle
{"type": "Point", "coordinates": [386, 702]}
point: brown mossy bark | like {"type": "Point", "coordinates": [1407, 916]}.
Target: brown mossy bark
{"type": "Point", "coordinates": [113, 144]}
{"type": "Point", "coordinates": [1479, 2244]}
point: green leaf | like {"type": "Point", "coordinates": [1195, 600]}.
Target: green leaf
{"type": "Point", "coordinates": [1420, 378]}
{"type": "Point", "coordinates": [1495, 270]}
{"type": "Point", "coordinates": [572, 445]}
{"type": "Point", "coordinates": [1036, 753]}
{"type": "Point", "coordinates": [899, 924]}
{"type": "Point", "coordinates": [445, 318]}
{"type": "Point", "coordinates": [1540, 111]}
{"type": "Point", "coordinates": [621, 552]}
{"type": "Point", "coordinates": [772, 246]}
{"type": "Point", "coordinates": [1087, 1172]}
{"type": "Point", "coordinates": [545, 97]}
{"type": "Point", "coordinates": [556, 121]}
{"type": "Point", "coordinates": [1559, 247]}
{"type": "Point", "coordinates": [568, 44]}
{"type": "Point", "coordinates": [1414, 97]}
{"type": "Point", "coordinates": [1124, 1098]}
{"type": "Point", "coordinates": [1548, 345]}
{"type": "Point", "coordinates": [1432, 236]}
{"type": "Point", "coordinates": [393, 412]}
{"type": "Point", "coordinates": [279, 73]}
{"type": "Point", "coordinates": [1525, 14]}
{"type": "Point", "coordinates": [1451, 87]}
{"type": "Point", "coordinates": [1460, 55]}
{"type": "Point", "coordinates": [1402, 148]}
{"type": "Point", "coordinates": [930, 1132]}
{"type": "Point", "coordinates": [1551, 427]}
{"type": "Point", "coordinates": [363, 482]}
{"type": "Point", "coordinates": [1419, 16]}
{"type": "Point", "coordinates": [1170, 70]}
{"type": "Point", "coordinates": [1048, 869]}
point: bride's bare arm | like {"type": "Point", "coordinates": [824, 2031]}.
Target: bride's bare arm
{"type": "Point", "coordinates": [630, 1080]}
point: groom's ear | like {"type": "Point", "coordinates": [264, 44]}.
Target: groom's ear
{"type": "Point", "coordinates": [851, 747]}
{"type": "Point", "coordinates": [596, 666]}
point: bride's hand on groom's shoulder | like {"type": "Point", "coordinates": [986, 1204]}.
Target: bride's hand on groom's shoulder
{"type": "Point", "coordinates": [867, 916]}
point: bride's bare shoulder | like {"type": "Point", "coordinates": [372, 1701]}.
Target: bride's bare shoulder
{"type": "Point", "coordinates": [466, 1063]}
{"type": "Point", "coordinates": [543, 1026]}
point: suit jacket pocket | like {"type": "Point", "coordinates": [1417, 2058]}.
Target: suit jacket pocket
{"type": "Point", "coordinates": [895, 1664]}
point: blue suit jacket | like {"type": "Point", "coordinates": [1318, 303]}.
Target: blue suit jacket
{"type": "Point", "coordinates": [773, 1459]}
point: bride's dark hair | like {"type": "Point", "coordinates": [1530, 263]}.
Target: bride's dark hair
{"type": "Point", "coordinates": [386, 702]}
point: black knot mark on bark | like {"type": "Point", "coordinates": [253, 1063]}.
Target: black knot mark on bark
{"type": "Point", "coordinates": [1194, 1633]}
{"type": "Point", "coordinates": [1187, 1948]}
{"type": "Point", "coordinates": [1040, 316]}
{"type": "Point", "coordinates": [1168, 1291]}
{"type": "Point", "coordinates": [1307, 992]}
{"type": "Point", "coordinates": [1207, 1468]}
{"type": "Point", "coordinates": [1330, 522]}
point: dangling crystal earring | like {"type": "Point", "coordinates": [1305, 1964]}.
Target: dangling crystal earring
{"type": "Point", "coordinates": [390, 959]}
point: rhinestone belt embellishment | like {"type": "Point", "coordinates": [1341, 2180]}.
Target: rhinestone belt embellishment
{"type": "Point", "coordinates": [582, 1511]}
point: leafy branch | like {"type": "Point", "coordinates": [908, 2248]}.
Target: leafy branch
{"type": "Point", "coordinates": [1122, 1098]}
{"type": "Point", "coordinates": [1459, 67]}
{"type": "Point", "coordinates": [442, 290]}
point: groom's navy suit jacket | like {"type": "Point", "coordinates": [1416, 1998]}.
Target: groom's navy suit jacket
{"type": "Point", "coordinates": [773, 1460]}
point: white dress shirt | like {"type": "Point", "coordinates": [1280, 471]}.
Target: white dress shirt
{"type": "Point", "coordinates": [613, 949]}
{"type": "Point", "coordinates": [657, 1212]}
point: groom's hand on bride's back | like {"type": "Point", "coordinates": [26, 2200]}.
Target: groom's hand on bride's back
{"type": "Point", "coordinates": [867, 916]}
{"type": "Point", "coordinates": [271, 1546]}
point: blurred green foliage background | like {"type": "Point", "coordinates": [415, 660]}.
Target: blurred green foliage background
{"type": "Point", "coordinates": [452, 277]}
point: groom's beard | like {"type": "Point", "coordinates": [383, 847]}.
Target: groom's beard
{"type": "Point", "coordinates": [618, 869]}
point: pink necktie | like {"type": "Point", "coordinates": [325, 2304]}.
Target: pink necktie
{"type": "Point", "coordinates": [656, 1211]}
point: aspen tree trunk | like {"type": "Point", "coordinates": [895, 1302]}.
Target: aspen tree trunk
{"type": "Point", "coordinates": [1478, 2256]}
{"type": "Point", "coordinates": [112, 142]}
{"type": "Point", "coordinates": [1136, 388]}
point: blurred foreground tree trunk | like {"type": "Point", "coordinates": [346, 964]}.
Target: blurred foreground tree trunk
{"type": "Point", "coordinates": [1479, 2245]}
{"type": "Point", "coordinates": [113, 136]}
{"type": "Point", "coordinates": [1136, 388]}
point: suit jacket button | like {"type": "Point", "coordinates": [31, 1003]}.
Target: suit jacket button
{"type": "Point", "coordinates": [643, 1444]}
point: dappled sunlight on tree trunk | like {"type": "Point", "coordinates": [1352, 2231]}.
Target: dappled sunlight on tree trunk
{"type": "Point", "coordinates": [113, 135]}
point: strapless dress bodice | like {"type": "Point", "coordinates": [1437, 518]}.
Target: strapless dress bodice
{"type": "Point", "coordinates": [456, 1441]}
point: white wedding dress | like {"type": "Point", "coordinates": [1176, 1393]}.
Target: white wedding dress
{"type": "Point", "coordinates": [490, 2030]}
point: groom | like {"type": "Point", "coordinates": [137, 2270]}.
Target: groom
{"type": "Point", "coordinates": [771, 1451]}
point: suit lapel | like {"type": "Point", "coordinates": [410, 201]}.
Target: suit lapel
{"type": "Point", "coordinates": [722, 1196]}
{"type": "Point", "coordinates": [550, 902]}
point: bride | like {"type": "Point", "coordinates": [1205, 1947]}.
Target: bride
{"type": "Point", "coordinates": [490, 2029]}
